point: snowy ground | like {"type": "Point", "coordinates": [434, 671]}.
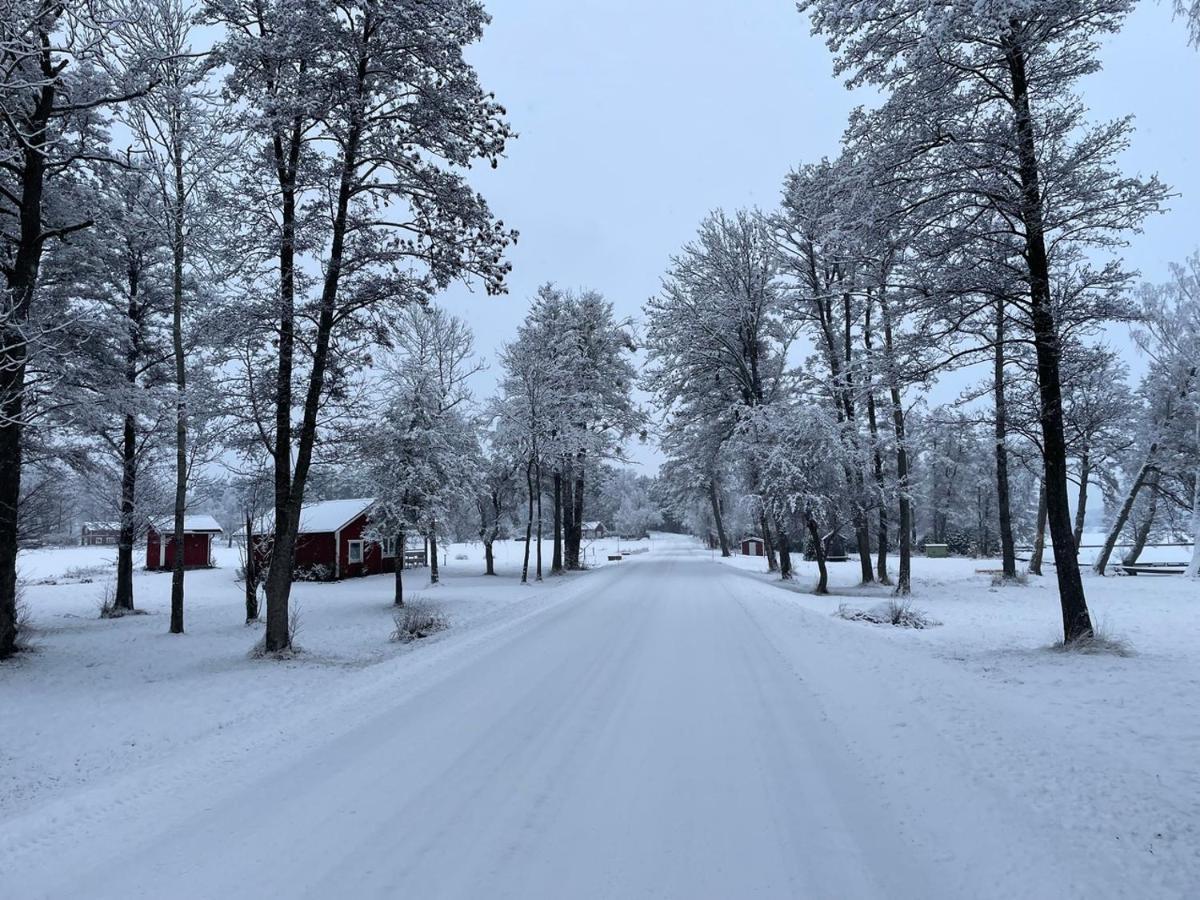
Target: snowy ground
{"type": "Point", "coordinates": [665, 727]}
{"type": "Point", "coordinates": [101, 697]}
{"type": "Point", "coordinates": [1112, 742]}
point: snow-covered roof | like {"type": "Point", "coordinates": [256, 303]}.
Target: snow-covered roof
{"type": "Point", "coordinates": [330, 515]}
{"type": "Point", "coordinates": [198, 523]}
{"type": "Point", "coordinates": [592, 526]}
{"type": "Point", "coordinates": [102, 526]}
{"type": "Point", "coordinates": [321, 517]}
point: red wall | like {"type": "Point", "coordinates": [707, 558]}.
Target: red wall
{"type": "Point", "coordinates": [373, 562]}
{"type": "Point", "coordinates": [753, 548]}
{"type": "Point", "coordinates": [195, 551]}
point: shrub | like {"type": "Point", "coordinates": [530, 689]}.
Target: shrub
{"type": "Point", "coordinates": [1100, 642]}
{"type": "Point", "coordinates": [318, 572]}
{"type": "Point", "coordinates": [295, 621]}
{"type": "Point", "coordinates": [108, 609]}
{"type": "Point", "coordinates": [419, 619]}
{"type": "Point", "coordinates": [998, 580]}
{"type": "Point", "coordinates": [25, 627]}
{"type": "Point", "coordinates": [899, 613]}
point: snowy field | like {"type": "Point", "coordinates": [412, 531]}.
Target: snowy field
{"type": "Point", "coordinates": [669, 726]}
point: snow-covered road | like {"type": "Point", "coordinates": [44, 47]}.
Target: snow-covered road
{"type": "Point", "coordinates": [669, 731]}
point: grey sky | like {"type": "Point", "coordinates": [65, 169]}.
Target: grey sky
{"type": "Point", "coordinates": [636, 117]}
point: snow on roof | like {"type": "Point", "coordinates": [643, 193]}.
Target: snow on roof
{"type": "Point", "coordinates": [321, 517]}
{"type": "Point", "coordinates": [330, 515]}
{"type": "Point", "coordinates": [199, 523]}
{"type": "Point", "coordinates": [102, 526]}
{"type": "Point", "coordinates": [592, 526]}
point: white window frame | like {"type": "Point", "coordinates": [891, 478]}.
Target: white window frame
{"type": "Point", "coordinates": [362, 552]}
{"type": "Point", "coordinates": [389, 548]}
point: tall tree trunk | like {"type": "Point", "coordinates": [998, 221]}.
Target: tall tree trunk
{"type": "Point", "coordinates": [862, 537]}
{"type": "Point", "coordinates": [814, 535]}
{"type": "Point", "coordinates": [1039, 538]}
{"type": "Point", "coordinates": [1142, 533]}
{"type": "Point", "coordinates": [1077, 622]}
{"type": "Point", "coordinates": [785, 551]}
{"type": "Point", "coordinates": [903, 475]}
{"type": "Point", "coordinates": [123, 599]}
{"type": "Point", "coordinates": [489, 558]}
{"type": "Point", "coordinates": [838, 351]}
{"type": "Point", "coordinates": [1118, 525]}
{"type": "Point", "coordinates": [538, 489]}
{"type": "Point", "coordinates": [401, 547]}
{"type": "Point", "coordinates": [181, 407]}
{"type": "Point", "coordinates": [574, 534]}
{"type": "Point", "coordinates": [715, 500]}
{"type": "Point", "coordinates": [881, 537]}
{"type": "Point", "coordinates": [287, 516]}
{"type": "Point", "coordinates": [12, 401]}
{"type": "Point", "coordinates": [556, 562]}
{"type": "Point", "coordinates": [433, 553]}
{"type": "Point", "coordinates": [1008, 548]}
{"type": "Point", "coordinates": [528, 522]}
{"type": "Point", "coordinates": [21, 281]}
{"type": "Point", "coordinates": [768, 542]}
{"type": "Point", "coordinates": [1085, 474]}
{"type": "Point", "coordinates": [250, 571]}
{"type": "Point", "coordinates": [568, 514]}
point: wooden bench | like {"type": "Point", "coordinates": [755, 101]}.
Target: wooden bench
{"type": "Point", "coordinates": [617, 558]}
{"type": "Point", "coordinates": [1154, 568]}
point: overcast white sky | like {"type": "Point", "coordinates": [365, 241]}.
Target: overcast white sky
{"type": "Point", "coordinates": [636, 117]}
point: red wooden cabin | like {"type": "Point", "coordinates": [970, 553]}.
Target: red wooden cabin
{"type": "Point", "coordinates": [198, 534]}
{"type": "Point", "coordinates": [94, 533]}
{"type": "Point", "coordinates": [753, 546]}
{"type": "Point", "coordinates": [333, 542]}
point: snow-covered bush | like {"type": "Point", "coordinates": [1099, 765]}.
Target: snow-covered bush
{"type": "Point", "coordinates": [317, 572]}
{"type": "Point", "coordinates": [419, 619]}
{"type": "Point", "coordinates": [900, 613]}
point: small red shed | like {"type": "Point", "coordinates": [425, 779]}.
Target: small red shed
{"type": "Point", "coordinates": [198, 533]}
{"type": "Point", "coordinates": [332, 542]}
{"type": "Point", "coordinates": [753, 546]}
